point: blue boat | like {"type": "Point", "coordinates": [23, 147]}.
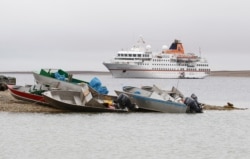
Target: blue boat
{"type": "Point", "coordinates": [159, 105]}
{"type": "Point", "coordinates": [154, 99]}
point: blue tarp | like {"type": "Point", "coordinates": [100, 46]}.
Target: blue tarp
{"type": "Point", "coordinates": [137, 92]}
{"type": "Point", "coordinates": [96, 84]}
{"type": "Point", "coordinates": [59, 76]}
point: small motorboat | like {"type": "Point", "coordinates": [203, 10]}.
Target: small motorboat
{"type": "Point", "coordinates": [155, 99]}
{"type": "Point", "coordinates": [63, 80]}
{"type": "Point", "coordinates": [83, 101]}
{"type": "Point", "coordinates": [30, 93]}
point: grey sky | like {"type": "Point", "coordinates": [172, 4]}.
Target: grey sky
{"type": "Point", "coordinates": [81, 34]}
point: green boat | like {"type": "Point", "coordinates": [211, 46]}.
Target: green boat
{"type": "Point", "coordinates": [63, 80]}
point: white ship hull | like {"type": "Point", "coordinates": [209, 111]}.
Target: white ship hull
{"type": "Point", "coordinates": [134, 71]}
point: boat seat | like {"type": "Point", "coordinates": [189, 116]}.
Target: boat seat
{"type": "Point", "coordinates": [77, 100]}
{"type": "Point", "coordinates": [57, 97]}
{"type": "Point", "coordinates": [85, 95]}
{"type": "Point", "coordinates": [43, 87]}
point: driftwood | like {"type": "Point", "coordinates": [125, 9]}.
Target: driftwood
{"type": "Point", "coordinates": [229, 106]}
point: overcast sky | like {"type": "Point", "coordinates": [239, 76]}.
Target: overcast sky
{"type": "Point", "coordinates": [81, 34]}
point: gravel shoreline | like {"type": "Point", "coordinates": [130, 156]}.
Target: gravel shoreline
{"type": "Point", "coordinates": [10, 104]}
{"type": "Point", "coordinates": [231, 73]}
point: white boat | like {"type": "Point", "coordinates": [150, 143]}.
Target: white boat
{"type": "Point", "coordinates": [82, 101]}
{"type": "Point", "coordinates": [141, 62]}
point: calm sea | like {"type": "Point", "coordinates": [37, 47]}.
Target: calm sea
{"type": "Point", "coordinates": [213, 134]}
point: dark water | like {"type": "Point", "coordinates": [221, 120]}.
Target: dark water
{"type": "Point", "coordinates": [213, 134]}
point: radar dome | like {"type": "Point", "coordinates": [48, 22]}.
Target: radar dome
{"type": "Point", "coordinates": [148, 47]}
{"type": "Point", "coordinates": [164, 47]}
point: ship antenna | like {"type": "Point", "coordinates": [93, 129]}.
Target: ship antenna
{"type": "Point", "coordinates": [200, 51]}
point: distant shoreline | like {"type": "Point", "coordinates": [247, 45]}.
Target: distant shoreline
{"type": "Point", "coordinates": [245, 73]}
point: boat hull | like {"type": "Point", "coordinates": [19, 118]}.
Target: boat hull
{"type": "Point", "coordinates": [65, 100]}
{"type": "Point", "coordinates": [55, 83]}
{"type": "Point", "coordinates": [134, 71]}
{"type": "Point", "coordinates": [21, 93]}
{"type": "Point", "coordinates": [155, 99]}
{"type": "Point", "coordinates": [159, 105]}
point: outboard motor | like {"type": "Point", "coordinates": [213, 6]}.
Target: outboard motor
{"type": "Point", "coordinates": [192, 105]}
{"type": "Point", "coordinates": [195, 98]}
{"type": "Point", "coordinates": [3, 86]}
{"type": "Point", "coordinates": [123, 102]}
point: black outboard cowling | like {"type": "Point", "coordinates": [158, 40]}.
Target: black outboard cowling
{"type": "Point", "coordinates": [193, 106]}
{"type": "Point", "coordinates": [3, 86]}
{"type": "Point", "coordinates": [123, 102]}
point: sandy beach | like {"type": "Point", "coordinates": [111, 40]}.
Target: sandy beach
{"type": "Point", "coordinates": [10, 104]}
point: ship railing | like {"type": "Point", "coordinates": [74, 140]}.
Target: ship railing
{"type": "Point", "coordinates": [125, 61]}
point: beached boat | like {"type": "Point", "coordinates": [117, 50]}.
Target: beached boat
{"type": "Point", "coordinates": [156, 103]}
{"type": "Point", "coordinates": [58, 78]}
{"type": "Point", "coordinates": [155, 99]}
{"type": "Point", "coordinates": [30, 93]}
{"type": "Point", "coordinates": [173, 94]}
{"type": "Point", "coordinates": [172, 62]}
{"type": "Point", "coordinates": [136, 90]}
{"type": "Point", "coordinates": [82, 101]}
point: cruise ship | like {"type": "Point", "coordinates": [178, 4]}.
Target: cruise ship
{"type": "Point", "coordinates": [172, 62]}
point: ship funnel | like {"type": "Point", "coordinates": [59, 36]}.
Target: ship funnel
{"type": "Point", "coordinates": [175, 48]}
